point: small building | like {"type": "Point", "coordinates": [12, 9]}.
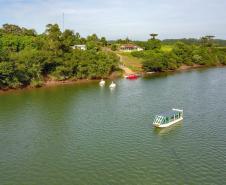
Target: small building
{"type": "Point", "coordinates": [130, 48]}
{"type": "Point", "coordinates": [81, 47]}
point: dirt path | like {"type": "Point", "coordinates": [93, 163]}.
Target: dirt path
{"type": "Point", "coordinates": [123, 67]}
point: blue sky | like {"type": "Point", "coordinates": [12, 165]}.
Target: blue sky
{"type": "Point", "coordinates": [121, 18]}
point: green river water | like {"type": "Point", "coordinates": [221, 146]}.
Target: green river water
{"type": "Point", "coordinates": [82, 134]}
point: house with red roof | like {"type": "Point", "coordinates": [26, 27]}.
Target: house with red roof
{"type": "Point", "coordinates": [130, 48]}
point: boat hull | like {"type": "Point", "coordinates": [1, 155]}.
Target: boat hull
{"type": "Point", "coordinates": [168, 124]}
{"type": "Point", "coordinates": [132, 77]}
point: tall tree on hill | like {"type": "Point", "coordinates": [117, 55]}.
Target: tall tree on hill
{"type": "Point", "coordinates": [207, 40]}
{"type": "Point", "coordinates": [153, 35]}
{"type": "Point", "coordinates": [153, 43]}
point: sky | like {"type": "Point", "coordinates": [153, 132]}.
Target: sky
{"type": "Point", "coordinates": [116, 19]}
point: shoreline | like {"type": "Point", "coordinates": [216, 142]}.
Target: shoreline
{"type": "Point", "coordinates": [55, 83]}
{"type": "Point", "coordinates": [184, 68]}
{"type": "Point", "coordinates": [48, 84]}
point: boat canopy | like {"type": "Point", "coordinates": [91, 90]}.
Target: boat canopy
{"type": "Point", "coordinates": [168, 114]}
{"type": "Point", "coordinates": [167, 117]}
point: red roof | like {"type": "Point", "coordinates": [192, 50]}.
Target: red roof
{"type": "Point", "coordinates": [129, 46]}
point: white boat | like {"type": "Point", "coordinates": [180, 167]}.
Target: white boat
{"type": "Point", "coordinates": [168, 118]}
{"type": "Point", "coordinates": [102, 83]}
{"type": "Point", "coordinates": [112, 86]}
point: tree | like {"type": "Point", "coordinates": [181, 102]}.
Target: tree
{"type": "Point", "coordinates": [27, 58]}
{"type": "Point", "coordinates": [12, 29]}
{"type": "Point", "coordinates": [7, 75]}
{"type": "Point", "coordinates": [53, 36]}
{"type": "Point", "coordinates": [152, 43]}
{"type": "Point", "coordinates": [68, 40]}
{"type": "Point", "coordinates": [113, 47]}
{"type": "Point", "coordinates": [78, 39]}
{"type": "Point", "coordinates": [207, 41]}
{"type": "Point", "coordinates": [153, 35]}
{"type": "Point", "coordinates": [103, 41]}
{"type": "Point", "coordinates": [16, 30]}
{"type": "Point", "coordinates": [183, 53]}
{"type": "Point", "coordinates": [93, 38]}
{"type": "Point", "coordinates": [154, 62]}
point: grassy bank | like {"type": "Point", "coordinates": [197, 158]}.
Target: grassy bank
{"type": "Point", "coordinates": [131, 62]}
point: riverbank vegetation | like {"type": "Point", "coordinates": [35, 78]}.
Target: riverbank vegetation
{"type": "Point", "coordinates": [158, 56]}
{"type": "Point", "coordinates": [30, 59]}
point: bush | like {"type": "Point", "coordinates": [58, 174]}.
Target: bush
{"type": "Point", "coordinates": [138, 54]}
{"type": "Point", "coordinates": [113, 47]}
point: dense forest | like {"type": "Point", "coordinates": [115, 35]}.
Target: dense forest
{"type": "Point", "coordinates": [29, 59]}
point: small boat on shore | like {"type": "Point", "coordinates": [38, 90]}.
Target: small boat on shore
{"type": "Point", "coordinates": [112, 86]}
{"type": "Point", "coordinates": [102, 83]}
{"type": "Point", "coordinates": [166, 119]}
{"type": "Point", "coordinates": [132, 77]}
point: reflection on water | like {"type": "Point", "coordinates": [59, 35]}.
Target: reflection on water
{"type": "Point", "coordinates": [168, 130]}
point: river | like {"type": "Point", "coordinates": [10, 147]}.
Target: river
{"type": "Point", "coordinates": [83, 134]}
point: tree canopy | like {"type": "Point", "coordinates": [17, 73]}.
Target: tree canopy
{"type": "Point", "coordinates": [205, 52]}
{"type": "Point", "coordinates": [28, 58]}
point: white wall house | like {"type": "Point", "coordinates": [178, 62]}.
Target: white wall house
{"type": "Point", "coordinates": [130, 48]}
{"type": "Point", "coordinates": [82, 47]}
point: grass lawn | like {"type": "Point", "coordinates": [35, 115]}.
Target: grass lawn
{"type": "Point", "coordinates": [133, 63]}
{"type": "Point", "coordinates": [166, 48]}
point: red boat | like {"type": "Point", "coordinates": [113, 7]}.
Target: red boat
{"type": "Point", "coordinates": [132, 76]}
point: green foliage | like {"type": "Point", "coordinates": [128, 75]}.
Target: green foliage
{"type": "Point", "coordinates": [92, 45]}
{"type": "Point", "coordinates": [138, 54]}
{"type": "Point", "coordinates": [160, 61]}
{"type": "Point", "coordinates": [103, 41]}
{"type": "Point", "coordinates": [7, 75]}
{"type": "Point", "coordinates": [154, 62]}
{"type": "Point", "coordinates": [181, 54]}
{"type": "Point", "coordinates": [193, 41]}
{"type": "Point", "coordinates": [27, 58]}
{"type": "Point", "coordinates": [152, 44]}
{"type": "Point", "coordinates": [113, 47]}
{"type": "Point", "coordinates": [16, 30]}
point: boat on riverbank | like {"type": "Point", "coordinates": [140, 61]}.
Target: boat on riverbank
{"type": "Point", "coordinates": [166, 119]}
{"type": "Point", "coordinates": [132, 76]}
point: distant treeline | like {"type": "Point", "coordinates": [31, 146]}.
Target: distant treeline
{"type": "Point", "coordinates": [217, 42]}
{"type": "Point", "coordinates": [28, 58]}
